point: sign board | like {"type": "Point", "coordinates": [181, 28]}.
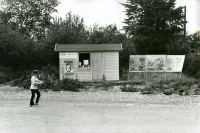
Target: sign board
{"type": "Point", "coordinates": [137, 63]}
{"type": "Point", "coordinates": [155, 63]}
{"type": "Point", "coordinates": [68, 55]}
{"type": "Point", "coordinates": [175, 63]}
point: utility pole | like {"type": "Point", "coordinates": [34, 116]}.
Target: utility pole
{"type": "Point", "coordinates": [184, 21]}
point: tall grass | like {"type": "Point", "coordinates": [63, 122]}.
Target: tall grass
{"type": "Point", "coordinates": [161, 76]}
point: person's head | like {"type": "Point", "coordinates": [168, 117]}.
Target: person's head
{"type": "Point", "coordinates": [35, 73]}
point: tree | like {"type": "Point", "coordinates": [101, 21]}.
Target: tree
{"type": "Point", "coordinates": [4, 17]}
{"type": "Point", "coordinates": [16, 50]}
{"type": "Point", "coordinates": [193, 40]}
{"type": "Point", "coordinates": [30, 17]}
{"type": "Point", "coordinates": [108, 34]}
{"type": "Point", "coordinates": [180, 46]}
{"type": "Point", "coordinates": [70, 30]}
{"type": "Point", "coordinates": [152, 24]}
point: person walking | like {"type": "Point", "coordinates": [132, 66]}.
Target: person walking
{"type": "Point", "coordinates": [34, 88]}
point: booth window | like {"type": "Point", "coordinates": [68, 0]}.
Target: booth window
{"type": "Point", "coordinates": [84, 60]}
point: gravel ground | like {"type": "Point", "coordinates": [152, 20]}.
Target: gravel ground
{"type": "Point", "coordinates": [97, 112]}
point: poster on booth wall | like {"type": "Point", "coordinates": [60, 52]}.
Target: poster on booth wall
{"type": "Point", "coordinates": [175, 63]}
{"type": "Point", "coordinates": [137, 63]}
{"type": "Point", "coordinates": [155, 63]}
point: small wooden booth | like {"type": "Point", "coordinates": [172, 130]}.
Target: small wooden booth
{"type": "Point", "coordinates": [88, 62]}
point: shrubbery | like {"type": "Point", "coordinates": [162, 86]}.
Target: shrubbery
{"type": "Point", "coordinates": [167, 87]}
{"type": "Point", "coordinates": [191, 65]}
{"type": "Point", "coordinates": [70, 85]}
{"type": "Point", "coordinates": [49, 75]}
{"type": "Point", "coordinates": [4, 79]}
{"type": "Point", "coordinates": [129, 88]}
{"type": "Point", "coordinates": [26, 83]}
{"type": "Point", "coordinates": [56, 85]}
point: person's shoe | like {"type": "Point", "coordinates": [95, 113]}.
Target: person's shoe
{"type": "Point", "coordinates": [31, 105]}
{"type": "Point", "coordinates": [36, 104]}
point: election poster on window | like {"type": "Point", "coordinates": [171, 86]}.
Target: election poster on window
{"type": "Point", "coordinates": [155, 63]}
{"type": "Point", "coordinates": [137, 63]}
{"type": "Point", "coordinates": [175, 63]}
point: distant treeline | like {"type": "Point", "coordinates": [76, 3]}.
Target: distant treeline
{"type": "Point", "coordinates": [28, 34]}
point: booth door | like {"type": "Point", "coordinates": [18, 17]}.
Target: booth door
{"type": "Point", "coordinates": [97, 61]}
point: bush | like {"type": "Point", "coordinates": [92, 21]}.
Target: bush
{"type": "Point", "coordinates": [4, 79]}
{"type": "Point", "coordinates": [48, 84]}
{"type": "Point", "coordinates": [70, 85]}
{"type": "Point", "coordinates": [49, 75]}
{"type": "Point", "coordinates": [16, 82]}
{"type": "Point", "coordinates": [129, 88]}
{"type": "Point", "coordinates": [26, 83]}
{"type": "Point", "coordinates": [191, 65]}
{"type": "Point", "coordinates": [197, 91]}
{"type": "Point", "coordinates": [147, 90]}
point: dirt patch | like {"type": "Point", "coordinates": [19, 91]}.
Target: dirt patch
{"type": "Point", "coordinates": [98, 112]}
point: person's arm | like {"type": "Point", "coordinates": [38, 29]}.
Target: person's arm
{"type": "Point", "coordinates": [37, 81]}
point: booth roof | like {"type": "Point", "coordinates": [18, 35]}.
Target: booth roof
{"type": "Point", "coordinates": [87, 47]}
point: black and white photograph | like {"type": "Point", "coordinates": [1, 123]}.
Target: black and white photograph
{"type": "Point", "coordinates": [99, 66]}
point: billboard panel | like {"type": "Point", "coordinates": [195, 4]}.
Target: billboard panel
{"type": "Point", "coordinates": [137, 63]}
{"type": "Point", "coordinates": [175, 63]}
{"type": "Point", "coordinates": [155, 63]}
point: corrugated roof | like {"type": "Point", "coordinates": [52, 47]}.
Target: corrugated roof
{"type": "Point", "coordinates": [87, 47]}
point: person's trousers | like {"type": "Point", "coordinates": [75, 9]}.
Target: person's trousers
{"type": "Point", "coordinates": [33, 96]}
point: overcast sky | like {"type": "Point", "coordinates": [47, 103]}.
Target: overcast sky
{"type": "Point", "coordinates": [104, 12]}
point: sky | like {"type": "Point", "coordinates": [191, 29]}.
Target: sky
{"type": "Point", "coordinates": [105, 12]}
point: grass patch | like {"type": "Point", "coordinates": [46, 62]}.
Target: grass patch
{"type": "Point", "coordinates": [166, 83]}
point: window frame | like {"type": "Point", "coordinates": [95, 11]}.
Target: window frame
{"type": "Point", "coordinates": [89, 61]}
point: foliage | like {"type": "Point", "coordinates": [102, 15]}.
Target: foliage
{"type": "Point", "coordinates": [48, 84]}
{"type": "Point", "coordinates": [185, 86]}
{"type": "Point", "coordinates": [28, 16]}
{"type": "Point", "coordinates": [103, 81]}
{"type": "Point", "coordinates": [147, 90]}
{"type": "Point", "coordinates": [70, 85]}
{"type": "Point", "coordinates": [26, 83]}
{"type": "Point", "coordinates": [70, 30]}
{"type": "Point", "coordinates": [49, 75]}
{"type": "Point", "coordinates": [178, 46]}
{"type": "Point", "coordinates": [197, 91]}
{"type": "Point", "coordinates": [129, 88]}
{"type": "Point", "coordinates": [194, 41]}
{"type": "Point", "coordinates": [191, 65]}
{"type": "Point", "coordinates": [152, 24]}
{"type": "Point", "coordinates": [108, 34]}
{"type": "Point", "coordinates": [49, 71]}
{"type": "Point", "coordinates": [4, 79]}
{"type": "Point", "coordinates": [16, 50]}
{"type": "Point", "coordinates": [128, 49]}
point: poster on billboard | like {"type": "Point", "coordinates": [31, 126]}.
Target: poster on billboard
{"type": "Point", "coordinates": [137, 63]}
{"type": "Point", "coordinates": [155, 63]}
{"type": "Point", "coordinates": [175, 63]}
